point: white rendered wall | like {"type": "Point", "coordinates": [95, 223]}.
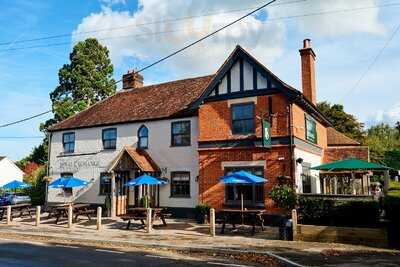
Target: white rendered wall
{"type": "Point", "coordinates": [314, 160]}
{"type": "Point", "coordinates": [9, 172]}
{"type": "Point", "coordinates": [89, 158]}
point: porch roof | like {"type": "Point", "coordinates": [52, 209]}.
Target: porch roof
{"type": "Point", "coordinates": [141, 158]}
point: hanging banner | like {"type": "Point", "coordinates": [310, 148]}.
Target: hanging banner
{"type": "Point", "coordinates": [266, 133]}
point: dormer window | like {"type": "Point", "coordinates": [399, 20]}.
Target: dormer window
{"type": "Point", "coordinates": [143, 135]}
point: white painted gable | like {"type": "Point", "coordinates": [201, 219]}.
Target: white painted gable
{"type": "Point", "coordinates": [248, 80]}
{"type": "Point", "coordinates": [9, 172]}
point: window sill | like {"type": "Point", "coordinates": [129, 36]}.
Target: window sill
{"type": "Point", "coordinates": [181, 197]}
{"type": "Point", "coordinates": [180, 145]}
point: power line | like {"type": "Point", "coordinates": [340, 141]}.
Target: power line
{"type": "Point", "coordinates": [21, 137]}
{"type": "Point", "coordinates": [49, 37]}
{"type": "Point", "coordinates": [375, 59]}
{"type": "Point", "coordinates": [25, 119]}
{"type": "Point", "coordinates": [321, 13]}
{"type": "Point", "coordinates": [160, 60]}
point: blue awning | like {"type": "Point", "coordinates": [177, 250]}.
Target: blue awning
{"type": "Point", "coordinates": [242, 177]}
{"type": "Point", "coordinates": [15, 185]}
{"type": "Point", "coordinates": [67, 182]}
{"type": "Point", "coordinates": [145, 180]}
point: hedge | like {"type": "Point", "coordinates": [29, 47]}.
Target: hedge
{"type": "Point", "coordinates": [338, 212]}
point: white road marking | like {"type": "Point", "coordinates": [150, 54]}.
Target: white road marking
{"type": "Point", "coordinates": [23, 241]}
{"type": "Point", "coordinates": [66, 246]}
{"type": "Point", "coordinates": [109, 251]}
{"type": "Point", "coordinates": [227, 264]}
{"type": "Point", "coordinates": [156, 256]}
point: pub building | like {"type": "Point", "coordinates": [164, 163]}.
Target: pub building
{"type": "Point", "coordinates": [193, 131]}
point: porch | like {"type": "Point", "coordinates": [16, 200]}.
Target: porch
{"type": "Point", "coordinates": [130, 164]}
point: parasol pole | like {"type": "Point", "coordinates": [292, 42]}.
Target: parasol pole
{"type": "Point", "coordinates": [242, 204]}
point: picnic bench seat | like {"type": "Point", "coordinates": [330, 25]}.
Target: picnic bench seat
{"type": "Point", "coordinates": [130, 217]}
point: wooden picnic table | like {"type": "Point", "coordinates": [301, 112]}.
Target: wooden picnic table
{"type": "Point", "coordinates": [61, 210]}
{"type": "Point", "coordinates": [18, 208]}
{"type": "Point", "coordinates": [233, 216]}
{"type": "Point", "coordinates": [140, 214]}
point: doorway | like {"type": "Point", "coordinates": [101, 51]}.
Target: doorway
{"type": "Point", "coordinates": [122, 191]}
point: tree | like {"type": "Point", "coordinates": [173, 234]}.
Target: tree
{"type": "Point", "coordinates": [383, 141]}
{"type": "Point", "coordinates": [342, 121]}
{"type": "Point", "coordinates": [85, 80]}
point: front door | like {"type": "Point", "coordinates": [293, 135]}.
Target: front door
{"type": "Point", "coordinates": [122, 191]}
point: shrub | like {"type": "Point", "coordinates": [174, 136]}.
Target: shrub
{"type": "Point", "coordinates": [284, 196]}
{"type": "Point", "coordinates": [37, 191]}
{"type": "Point", "coordinates": [391, 204]}
{"type": "Point", "coordinates": [339, 212]}
{"type": "Point", "coordinates": [202, 209]}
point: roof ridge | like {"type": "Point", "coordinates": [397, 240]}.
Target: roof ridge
{"type": "Point", "coordinates": [162, 83]}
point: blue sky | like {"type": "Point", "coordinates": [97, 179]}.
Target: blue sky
{"type": "Point", "coordinates": [346, 36]}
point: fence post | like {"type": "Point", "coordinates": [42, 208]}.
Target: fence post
{"type": "Point", "coordinates": [148, 221]}
{"type": "Point", "coordinates": [98, 218]}
{"type": "Point", "coordinates": [70, 216]}
{"type": "Point", "coordinates": [212, 222]}
{"type": "Point", "coordinates": [8, 214]}
{"type": "Point", "coordinates": [294, 223]}
{"type": "Point", "coordinates": [37, 215]}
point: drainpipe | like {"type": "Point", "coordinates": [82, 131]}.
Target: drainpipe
{"type": "Point", "coordinates": [292, 159]}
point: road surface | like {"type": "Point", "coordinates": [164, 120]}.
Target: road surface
{"type": "Point", "coordinates": [21, 254]}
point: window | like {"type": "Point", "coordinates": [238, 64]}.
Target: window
{"type": "Point", "coordinates": [180, 184]}
{"type": "Point", "coordinates": [311, 130]}
{"type": "Point", "coordinates": [69, 142]}
{"type": "Point", "coordinates": [180, 133]}
{"type": "Point", "coordinates": [306, 177]}
{"type": "Point", "coordinates": [143, 135]}
{"type": "Point", "coordinates": [253, 195]}
{"type": "Point", "coordinates": [66, 174]}
{"type": "Point", "coordinates": [105, 184]}
{"type": "Point", "coordinates": [110, 138]}
{"type": "Point", "coordinates": [243, 118]}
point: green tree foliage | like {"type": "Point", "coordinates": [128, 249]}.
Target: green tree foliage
{"type": "Point", "coordinates": [342, 121]}
{"type": "Point", "coordinates": [85, 80]}
{"type": "Point", "coordinates": [384, 144]}
{"type": "Point", "coordinates": [37, 191]}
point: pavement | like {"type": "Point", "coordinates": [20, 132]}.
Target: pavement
{"type": "Point", "coordinates": [194, 239]}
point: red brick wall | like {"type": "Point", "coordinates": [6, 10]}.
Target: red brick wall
{"type": "Point", "coordinates": [299, 127]}
{"type": "Point", "coordinates": [215, 119]}
{"type": "Point", "coordinates": [343, 152]}
{"type": "Point", "coordinates": [211, 191]}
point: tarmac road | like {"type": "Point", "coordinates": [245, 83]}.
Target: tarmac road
{"type": "Point", "coordinates": [21, 254]}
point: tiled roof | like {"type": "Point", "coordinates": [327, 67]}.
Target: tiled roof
{"type": "Point", "coordinates": [142, 159]}
{"type": "Point", "coordinates": [336, 138]}
{"type": "Point", "coordinates": [149, 102]}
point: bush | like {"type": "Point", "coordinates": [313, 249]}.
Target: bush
{"type": "Point", "coordinates": [284, 196]}
{"type": "Point", "coordinates": [391, 204]}
{"type": "Point", "coordinates": [37, 191]}
{"type": "Point", "coordinates": [339, 212]}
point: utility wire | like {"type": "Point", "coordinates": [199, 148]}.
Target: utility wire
{"type": "Point", "coordinates": [158, 61]}
{"type": "Point", "coordinates": [320, 13]}
{"type": "Point", "coordinates": [373, 62]}
{"type": "Point", "coordinates": [49, 37]}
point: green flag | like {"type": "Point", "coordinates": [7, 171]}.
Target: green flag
{"type": "Point", "coordinates": [266, 134]}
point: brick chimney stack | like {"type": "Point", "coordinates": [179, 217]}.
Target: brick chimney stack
{"type": "Point", "coordinates": [308, 71]}
{"type": "Point", "coordinates": [132, 80]}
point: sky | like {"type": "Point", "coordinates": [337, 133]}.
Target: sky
{"type": "Point", "coordinates": [358, 54]}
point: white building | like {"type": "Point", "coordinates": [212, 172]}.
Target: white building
{"type": "Point", "coordinates": [9, 171]}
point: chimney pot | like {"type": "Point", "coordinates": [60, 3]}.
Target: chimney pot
{"type": "Point", "coordinates": [132, 79]}
{"type": "Point", "coordinates": [306, 43]}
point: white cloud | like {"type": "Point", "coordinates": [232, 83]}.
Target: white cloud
{"type": "Point", "coordinates": [354, 16]}
{"type": "Point", "coordinates": [265, 40]}
{"type": "Point", "coordinates": [390, 116]}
